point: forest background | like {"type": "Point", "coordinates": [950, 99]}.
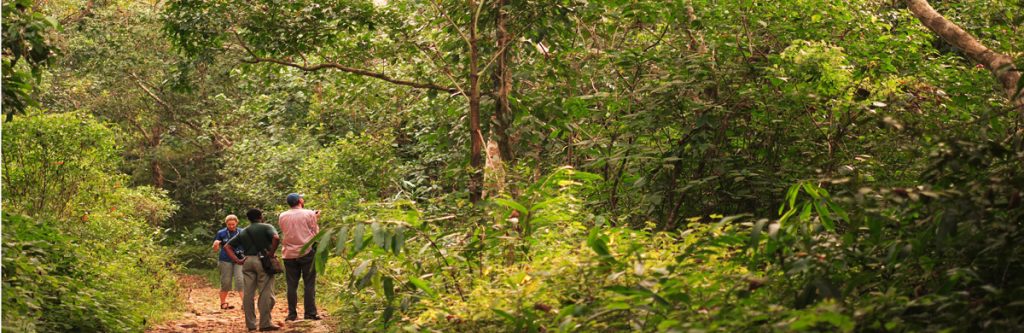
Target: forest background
{"type": "Point", "coordinates": [525, 165]}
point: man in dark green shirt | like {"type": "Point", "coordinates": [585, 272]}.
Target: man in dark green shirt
{"type": "Point", "coordinates": [258, 237]}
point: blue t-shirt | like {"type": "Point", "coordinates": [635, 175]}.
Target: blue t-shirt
{"type": "Point", "coordinates": [224, 236]}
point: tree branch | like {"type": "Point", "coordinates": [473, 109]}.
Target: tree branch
{"type": "Point", "coordinates": [150, 92]}
{"type": "Point", "coordinates": [501, 51]}
{"type": "Point", "coordinates": [999, 64]}
{"type": "Point", "coordinates": [78, 15]}
{"type": "Point", "coordinates": [357, 71]}
{"type": "Point", "coordinates": [440, 10]}
{"type": "Point", "coordinates": [255, 59]}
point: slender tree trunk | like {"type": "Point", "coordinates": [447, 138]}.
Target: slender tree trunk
{"type": "Point", "coordinates": [999, 64]}
{"type": "Point", "coordinates": [614, 197]}
{"type": "Point", "coordinates": [158, 174]}
{"type": "Point", "coordinates": [154, 143]}
{"type": "Point", "coordinates": [476, 161]}
{"type": "Point", "coordinates": [502, 85]}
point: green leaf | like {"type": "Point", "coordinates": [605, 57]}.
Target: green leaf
{"type": "Point", "coordinates": [321, 261]}
{"type": "Point", "coordinates": [511, 204]}
{"type": "Point", "coordinates": [667, 324]}
{"type": "Point", "coordinates": [637, 291]}
{"type": "Point", "coordinates": [812, 190]}
{"type": "Point", "coordinates": [320, 234]}
{"type": "Point", "coordinates": [322, 253]}
{"type": "Point", "coordinates": [755, 233]}
{"type": "Point", "coordinates": [805, 214]}
{"type": "Point", "coordinates": [791, 197]}
{"type": "Point", "coordinates": [389, 288]}
{"type": "Point", "coordinates": [786, 217]}
{"type": "Point", "coordinates": [378, 234]}
{"type": "Point", "coordinates": [504, 314]}
{"type": "Point", "coordinates": [825, 215]}
{"type": "Point", "coordinates": [389, 240]}
{"type": "Point", "coordinates": [838, 210]}
{"type": "Point", "coordinates": [726, 220]}
{"type": "Point", "coordinates": [598, 243]}
{"type": "Point", "coordinates": [365, 280]}
{"type": "Point", "coordinates": [546, 203]}
{"type": "Point", "coordinates": [361, 268]}
{"type": "Point", "coordinates": [324, 244]}
{"type": "Point", "coordinates": [357, 238]}
{"type": "Point", "coordinates": [422, 285]}
{"type": "Point", "coordinates": [398, 241]}
{"type": "Point", "coordinates": [339, 248]}
{"type": "Point", "coordinates": [389, 311]}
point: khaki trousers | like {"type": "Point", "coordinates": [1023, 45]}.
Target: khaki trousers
{"type": "Point", "coordinates": [257, 281]}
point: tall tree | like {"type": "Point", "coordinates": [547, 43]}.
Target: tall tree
{"type": "Point", "coordinates": [450, 36]}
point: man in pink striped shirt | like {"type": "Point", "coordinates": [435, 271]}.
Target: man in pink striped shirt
{"type": "Point", "coordinates": [299, 225]}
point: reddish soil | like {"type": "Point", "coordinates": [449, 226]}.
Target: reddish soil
{"type": "Point", "coordinates": [202, 312]}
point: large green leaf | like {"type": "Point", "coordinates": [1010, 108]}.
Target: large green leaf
{"type": "Point", "coordinates": [755, 232]}
{"type": "Point", "coordinates": [398, 240]}
{"type": "Point", "coordinates": [597, 242]}
{"type": "Point", "coordinates": [365, 279]}
{"type": "Point", "coordinates": [511, 204]}
{"type": "Point", "coordinates": [422, 285]}
{"type": "Point", "coordinates": [378, 234]}
{"type": "Point", "coordinates": [339, 248]}
{"type": "Point", "coordinates": [322, 254]}
{"type": "Point", "coordinates": [357, 238]}
{"type": "Point", "coordinates": [389, 288]}
{"type": "Point", "coordinates": [316, 238]}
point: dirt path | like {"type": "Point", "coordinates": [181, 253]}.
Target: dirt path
{"type": "Point", "coordinates": [202, 312]}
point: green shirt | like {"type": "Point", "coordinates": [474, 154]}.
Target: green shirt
{"type": "Point", "coordinates": [255, 238]}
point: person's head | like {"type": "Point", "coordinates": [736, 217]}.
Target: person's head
{"type": "Point", "coordinates": [231, 222]}
{"type": "Point", "coordinates": [254, 215]}
{"type": "Point", "coordinates": [295, 200]}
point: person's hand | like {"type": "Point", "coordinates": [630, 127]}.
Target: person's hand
{"type": "Point", "coordinates": [216, 245]}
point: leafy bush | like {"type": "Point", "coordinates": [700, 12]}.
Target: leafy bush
{"type": "Point", "coordinates": [81, 256]}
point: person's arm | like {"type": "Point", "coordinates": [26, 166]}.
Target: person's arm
{"type": "Point", "coordinates": [231, 254]}
{"type": "Point", "coordinates": [274, 242]}
{"type": "Point", "coordinates": [216, 243]}
{"type": "Point", "coordinates": [315, 222]}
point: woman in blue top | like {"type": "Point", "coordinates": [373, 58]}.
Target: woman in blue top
{"type": "Point", "coordinates": [228, 269]}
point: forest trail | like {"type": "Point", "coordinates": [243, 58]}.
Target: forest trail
{"type": "Point", "coordinates": [202, 312]}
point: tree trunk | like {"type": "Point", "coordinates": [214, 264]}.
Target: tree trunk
{"type": "Point", "coordinates": [502, 86]}
{"type": "Point", "coordinates": [999, 64]}
{"type": "Point", "coordinates": [154, 143]}
{"type": "Point", "coordinates": [476, 160]}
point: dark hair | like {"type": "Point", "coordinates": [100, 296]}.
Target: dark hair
{"type": "Point", "coordinates": [254, 215]}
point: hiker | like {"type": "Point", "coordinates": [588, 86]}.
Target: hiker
{"type": "Point", "coordinates": [258, 237]}
{"type": "Point", "coordinates": [299, 225]}
{"type": "Point", "coordinates": [229, 271]}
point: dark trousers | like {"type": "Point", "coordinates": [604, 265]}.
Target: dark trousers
{"type": "Point", "coordinates": [294, 269]}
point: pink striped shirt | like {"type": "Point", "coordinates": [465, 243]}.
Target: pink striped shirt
{"type": "Point", "coordinates": [298, 226]}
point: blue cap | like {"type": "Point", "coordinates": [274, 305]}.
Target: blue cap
{"type": "Point", "coordinates": [293, 199]}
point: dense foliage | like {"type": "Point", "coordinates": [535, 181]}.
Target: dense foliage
{"type": "Point", "coordinates": [529, 166]}
{"type": "Point", "coordinates": [79, 250]}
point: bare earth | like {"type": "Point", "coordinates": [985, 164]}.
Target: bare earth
{"type": "Point", "coordinates": [203, 313]}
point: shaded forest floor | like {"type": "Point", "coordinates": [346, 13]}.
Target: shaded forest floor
{"type": "Point", "coordinates": [202, 312]}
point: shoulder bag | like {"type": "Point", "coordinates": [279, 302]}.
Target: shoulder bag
{"type": "Point", "coordinates": [271, 265]}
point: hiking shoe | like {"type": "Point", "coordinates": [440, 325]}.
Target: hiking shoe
{"type": "Point", "coordinates": [290, 318]}
{"type": "Point", "coordinates": [313, 317]}
{"type": "Point", "coordinates": [270, 328]}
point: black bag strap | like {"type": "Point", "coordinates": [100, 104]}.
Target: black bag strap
{"type": "Point", "coordinates": [252, 242]}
